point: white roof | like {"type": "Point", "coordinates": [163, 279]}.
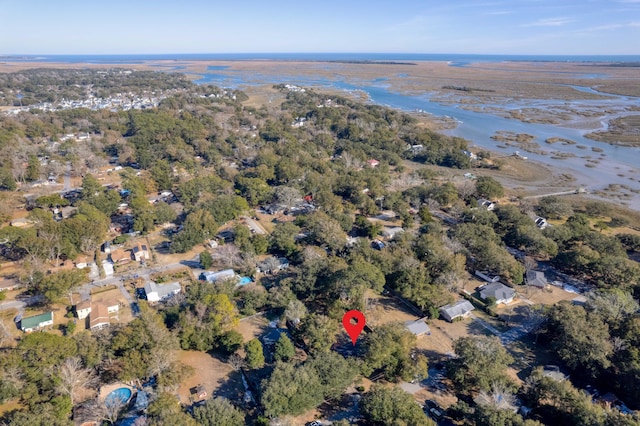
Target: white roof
{"type": "Point", "coordinates": [156, 292]}
{"type": "Point", "coordinates": [225, 274]}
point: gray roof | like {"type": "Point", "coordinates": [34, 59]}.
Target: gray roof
{"type": "Point", "coordinates": [536, 278]}
{"type": "Point", "coordinates": [498, 291]}
{"type": "Point", "coordinates": [418, 327]}
{"type": "Point", "coordinates": [458, 309]}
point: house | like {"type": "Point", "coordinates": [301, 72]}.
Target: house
{"type": "Point", "coordinates": [500, 292]}
{"type": "Point", "coordinates": [99, 317]}
{"type": "Point", "coordinates": [106, 247]}
{"type": "Point", "coordinates": [553, 372]}
{"type": "Point", "coordinates": [489, 205]}
{"type": "Point", "coordinates": [158, 293]}
{"type": "Point", "coordinates": [36, 322]}
{"type": "Point", "coordinates": [107, 266]}
{"type": "Point", "coordinates": [212, 277]}
{"type": "Point", "coordinates": [579, 301]}
{"type": "Point", "coordinates": [373, 163]}
{"type": "Point", "coordinates": [487, 278]}
{"type": "Point", "coordinates": [418, 327]}
{"type": "Point", "coordinates": [460, 309]}
{"type": "Point", "coordinates": [120, 256]}
{"type": "Point", "coordinates": [22, 222]}
{"type": "Point", "coordinates": [541, 222]}
{"type": "Point", "coordinates": [113, 306]}
{"type": "Point", "coordinates": [390, 232]}
{"type": "Point", "coordinates": [83, 309]}
{"type": "Point", "coordinates": [140, 253]}
{"type": "Point", "coordinates": [377, 244]}
{"type": "Point", "coordinates": [82, 261]}
{"type": "Point", "coordinates": [536, 279]}
{"type": "Point", "coordinates": [470, 154]}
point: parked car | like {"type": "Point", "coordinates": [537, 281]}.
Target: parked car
{"type": "Point", "coordinates": [433, 410]}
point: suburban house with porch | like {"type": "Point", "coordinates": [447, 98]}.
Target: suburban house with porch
{"type": "Point", "coordinates": [501, 293]}
{"type": "Point", "coordinates": [36, 322]}
{"type": "Point", "coordinates": [460, 309]}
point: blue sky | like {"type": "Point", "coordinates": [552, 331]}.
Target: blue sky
{"type": "Point", "coordinates": [561, 27]}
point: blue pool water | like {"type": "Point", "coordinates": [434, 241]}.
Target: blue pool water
{"type": "Point", "coordinates": [245, 280]}
{"type": "Point", "coordinates": [118, 396]}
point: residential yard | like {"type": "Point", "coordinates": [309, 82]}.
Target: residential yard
{"type": "Point", "coordinates": [217, 377]}
{"type": "Point", "coordinates": [252, 327]}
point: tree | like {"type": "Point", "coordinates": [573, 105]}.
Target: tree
{"type": "Point", "coordinates": [284, 349]}
{"type": "Point", "coordinates": [283, 239]}
{"type": "Point", "coordinates": [295, 311]}
{"type": "Point", "coordinates": [231, 341]}
{"type": "Point", "coordinates": [480, 364]}
{"type": "Point", "coordinates": [291, 389]}
{"type": "Point", "coordinates": [488, 187]}
{"type": "Point", "coordinates": [390, 348]}
{"type": "Point", "coordinates": [254, 354]}
{"type": "Point", "coordinates": [218, 412]}
{"type": "Point", "coordinates": [393, 407]}
{"type": "Point", "coordinates": [72, 377]}
{"type": "Point", "coordinates": [166, 410]}
{"type": "Point", "coordinates": [206, 261]}
{"type": "Point", "coordinates": [319, 332]}
{"type": "Point", "coordinates": [580, 338]}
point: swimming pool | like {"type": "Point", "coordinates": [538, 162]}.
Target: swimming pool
{"type": "Point", "coordinates": [245, 280]}
{"type": "Point", "coordinates": [119, 396]}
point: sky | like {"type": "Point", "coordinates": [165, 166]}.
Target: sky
{"type": "Point", "coordinates": [528, 27]}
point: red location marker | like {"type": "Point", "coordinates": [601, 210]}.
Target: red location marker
{"type": "Point", "coordinates": [353, 329]}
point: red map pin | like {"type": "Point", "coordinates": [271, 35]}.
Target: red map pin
{"type": "Point", "coordinates": [353, 330]}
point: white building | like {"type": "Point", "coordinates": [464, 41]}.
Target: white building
{"type": "Point", "coordinates": [156, 293]}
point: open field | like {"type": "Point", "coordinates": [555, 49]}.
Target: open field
{"type": "Point", "coordinates": [217, 377]}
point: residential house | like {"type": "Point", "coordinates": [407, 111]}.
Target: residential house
{"type": "Point", "coordinates": [82, 261]}
{"type": "Point", "coordinates": [541, 222]}
{"type": "Point", "coordinates": [418, 327]}
{"type": "Point", "coordinates": [113, 306]}
{"type": "Point", "coordinates": [212, 277]}
{"type": "Point", "coordinates": [120, 256]}
{"type": "Point", "coordinates": [501, 293]}
{"type": "Point", "coordinates": [83, 309]}
{"type": "Point", "coordinates": [390, 232]}
{"type": "Point", "coordinates": [489, 205]}
{"type": "Point", "coordinates": [36, 322]}
{"type": "Point", "coordinates": [157, 293]}
{"type": "Point", "coordinates": [460, 309]}
{"type": "Point", "coordinates": [487, 278]}
{"type": "Point", "coordinates": [579, 301]}
{"type": "Point", "coordinates": [107, 266]}
{"type": "Point", "coordinates": [536, 279]}
{"type": "Point", "coordinates": [141, 252]}
{"type": "Point", "coordinates": [470, 154]}
{"type": "Point", "coordinates": [99, 317]}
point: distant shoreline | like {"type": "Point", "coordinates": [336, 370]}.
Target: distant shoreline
{"type": "Point", "coordinates": [376, 58]}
